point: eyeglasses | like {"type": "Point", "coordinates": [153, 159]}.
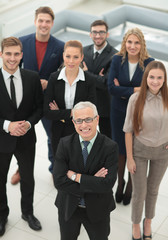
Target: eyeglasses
{"type": "Point", "coordinates": [101, 33]}
{"type": "Point", "coordinates": [86, 120]}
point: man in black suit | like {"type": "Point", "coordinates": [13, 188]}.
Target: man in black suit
{"type": "Point", "coordinates": [85, 171]}
{"type": "Point", "coordinates": [21, 103]}
{"type": "Point", "coordinates": [97, 59]}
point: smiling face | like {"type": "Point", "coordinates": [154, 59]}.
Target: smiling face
{"type": "Point", "coordinates": [72, 58]}
{"type": "Point", "coordinates": [43, 23]}
{"type": "Point", "coordinates": [155, 80]}
{"type": "Point", "coordinates": [11, 57]}
{"type": "Point", "coordinates": [86, 130]}
{"type": "Point", "coordinates": [133, 45]}
{"type": "Point", "coordinates": [99, 35]}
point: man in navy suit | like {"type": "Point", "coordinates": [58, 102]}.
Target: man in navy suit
{"type": "Point", "coordinates": [42, 53]}
{"type": "Point", "coordinates": [21, 104]}
{"type": "Point", "coordinates": [85, 171]}
{"type": "Point", "coordinates": [97, 59]}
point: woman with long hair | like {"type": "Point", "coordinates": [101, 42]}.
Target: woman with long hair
{"type": "Point", "coordinates": [65, 88]}
{"type": "Point", "coordinates": [124, 79]}
{"type": "Point", "coordinates": [146, 127]}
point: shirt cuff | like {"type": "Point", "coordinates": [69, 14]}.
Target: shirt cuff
{"type": "Point", "coordinates": [6, 125]}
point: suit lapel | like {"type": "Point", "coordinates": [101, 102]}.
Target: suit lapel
{"type": "Point", "coordinates": [136, 73]}
{"type": "Point", "coordinates": [4, 89]}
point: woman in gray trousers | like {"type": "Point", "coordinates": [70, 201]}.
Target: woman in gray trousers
{"type": "Point", "coordinates": [146, 128]}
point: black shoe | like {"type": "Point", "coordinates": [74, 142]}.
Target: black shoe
{"type": "Point", "coordinates": [136, 238]}
{"type": "Point", "coordinates": [144, 236]}
{"type": "Point", "coordinates": [119, 194]}
{"type": "Point", "coordinates": [3, 222]}
{"type": "Point", "coordinates": [32, 221]}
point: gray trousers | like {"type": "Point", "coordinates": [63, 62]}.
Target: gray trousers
{"type": "Point", "coordinates": [151, 164]}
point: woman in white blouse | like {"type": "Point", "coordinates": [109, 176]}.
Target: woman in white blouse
{"type": "Point", "coordinates": [146, 136]}
{"type": "Point", "coordinates": [66, 88]}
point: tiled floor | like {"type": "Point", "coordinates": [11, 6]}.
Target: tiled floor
{"type": "Point", "coordinates": [46, 211]}
{"type": "Point", "coordinates": [45, 194]}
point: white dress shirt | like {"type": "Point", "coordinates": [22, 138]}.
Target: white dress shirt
{"type": "Point", "coordinates": [18, 90]}
{"type": "Point", "coordinates": [70, 90]}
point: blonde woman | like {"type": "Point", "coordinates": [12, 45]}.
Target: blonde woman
{"type": "Point", "coordinates": [146, 127]}
{"type": "Point", "coordinates": [124, 79]}
{"type": "Point", "coordinates": [66, 88]}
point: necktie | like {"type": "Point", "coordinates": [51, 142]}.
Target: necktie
{"type": "Point", "coordinates": [85, 151]}
{"type": "Point", "coordinates": [12, 89]}
{"type": "Point", "coordinates": [96, 54]}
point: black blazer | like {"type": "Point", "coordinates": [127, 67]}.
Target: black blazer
{"type": "Point", "coordinates": [30, 109]}
{"type": "Point", "coordinates": [94, 67]}
{"type": "Point", "coordinates": [85, 91]}
{"type": "Point", "coordinates": [96, 191]}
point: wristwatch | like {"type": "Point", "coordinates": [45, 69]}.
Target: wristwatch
{"type": "Point", "coordinates": [73, 177]}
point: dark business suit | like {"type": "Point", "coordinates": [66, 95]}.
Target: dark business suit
{"type": "Point", "coordinates": [97, 191]}
{"type": "Point", "coordinates": [121, 95]}
{"type": "Point", "coordinates": [53, 58]}
{"type": "Point", "coordinates": [23, 147]}
{"type": "Point", "coordinates": [103, 98]}
{"type": "Point", "coordinates": [61, 119]}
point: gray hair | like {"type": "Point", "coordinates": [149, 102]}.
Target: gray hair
{"type": "Point", "coordinates": [82, 105]}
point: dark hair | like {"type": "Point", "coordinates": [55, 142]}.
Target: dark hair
{"type": "Point", "coordinates": [98, 23]}
{"type": "Point", "coordinates": [46, 10]}
{"type": "Point", "coordinates": [139, 105]}
{"type": "Point", "coordinates": [74, 43]}
{"type": "Point", "coordinates": [10, 41]}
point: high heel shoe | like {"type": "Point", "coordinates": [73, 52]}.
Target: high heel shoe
{"type": "Point", "coordinates": [144, 236]}
{"type": "Point", "coordinates": [136, 238]}
{"type": "Point", "coordinates": [119, 193]}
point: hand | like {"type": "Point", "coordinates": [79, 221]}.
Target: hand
{"type": "Point", "coordinates": [116, 82]}
{"type": "Point", "coordinates": [44, 83]}
{"type": "Point", "coordinates": [136, 89]}
{"type": "Point", "coordinates": [53, 105]}
{"type": "Point", "coordinates": [131, 166]}
{"type": "Point", "coordinates": [18, 128]}
{"type": "Point", "coordinates": [101, 173]}
{"type": "Point", "coordinates": [70, 173]}
{"type": "Point", "coordinates": [85, 68]}
{"type": "Point", "coordinates": [101, 72]}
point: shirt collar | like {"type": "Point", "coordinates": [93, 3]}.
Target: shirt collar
{"type": "Point", "coordinates": [7, 75]}
{"type": "Point", "coordinates": [150, 95]}
{"type": "Point", "coordinates": [91, 141]}
{"type": "Point", "coordinates": [62, 76]}
{"type": "Point", "coordinates": [100, 50]}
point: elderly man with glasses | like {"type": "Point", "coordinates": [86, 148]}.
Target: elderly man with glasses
{"type": "Point", "coordinates": [84, 173]}
{"type": "Point", "coordinates": [97, 59]}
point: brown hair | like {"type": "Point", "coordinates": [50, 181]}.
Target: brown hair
{"type": "Point", "coordinates": [99, 23]}
{"type": "Point", "coordinates": [139, 105]}
{"type": "Point", "coordinates": [46, 10]}
{"type": "Point", "coordinates": [74, 43]}
{"type": "Point", "coordinates": [143, 51]}
{"type": "Point", "coordinates": [10, 41]}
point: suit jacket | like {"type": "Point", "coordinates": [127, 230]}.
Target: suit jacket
{"type": "Point", "coordinates": [96, 191]}
{"type": "Point", "coordinates": [120, 71]}
{"type": "Point", "coordinates": [30, 109]}
{"type": "Point", "coordinates": [85, 91]}
{"type": "Point", "coordinates": [52, 60]}
{"type": "Point", "coordinates": [94, 67]}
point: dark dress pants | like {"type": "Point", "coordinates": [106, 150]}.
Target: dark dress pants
{"type": "Point", "coordinates": [25, 158]}
{"type": "Point", "coordinates": [70, 229]}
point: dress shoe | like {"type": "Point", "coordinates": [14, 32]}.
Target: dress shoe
{"type": "Point", "coordinates": [136, 238]}
{"type": "Point", "coordinates": [119, 193]}
{"type": "Point", "coordinates": [15, 178]}
{"type": "Point", "coordinates": [144, 236]}
{"type": "Point", "coordinates": [32, 221]}
{"type": "Point", "coordinates": [3, 222]}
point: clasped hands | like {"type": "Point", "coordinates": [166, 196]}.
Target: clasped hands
{"type": "Point", "coordinates": [101, 173]}
{"type": "Point", "coordinates": [18, 128]}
